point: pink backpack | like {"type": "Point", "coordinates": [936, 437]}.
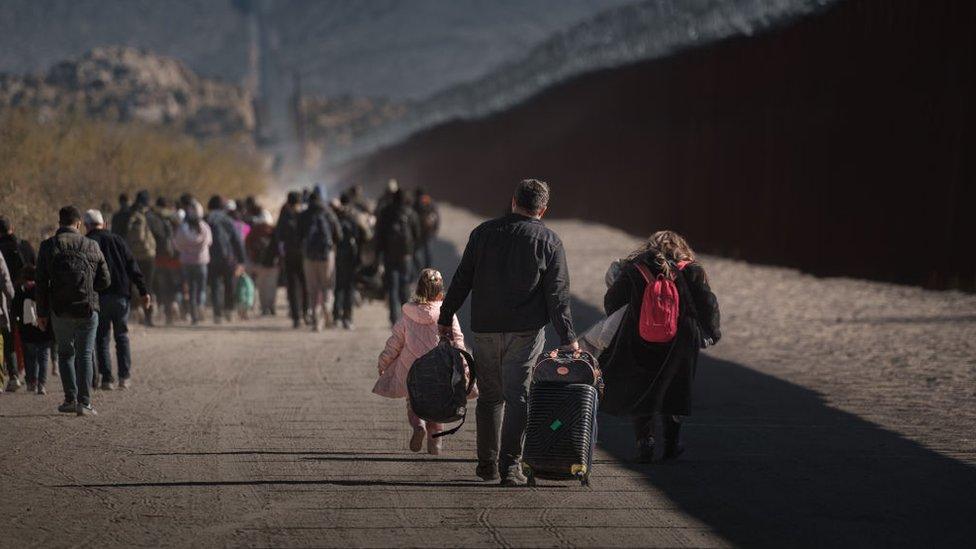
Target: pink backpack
{"type": "Point", "coordinates": [658, 322]}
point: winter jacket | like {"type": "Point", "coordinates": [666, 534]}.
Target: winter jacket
{"type": "Point", "coordinates": [320, 231]}
{"type": "Point", "coordinates": [65, 301]}
{"type": "Point", "coordinates": [515, 269]}
{"type": "Point", "coordinates": [288, 232]}
{"type": "Point", "coordinates": [261, 246]}
{"type": "Point", "coordinates": [646, 378]}
{"type": "Point", "coordinates": [121, 264]}
{"type": "Point", "coordinates": [414, 335]}
{"type": "Point", "coordinates": [193, 247]}
{"type": "Point", "coordinates": [226, 248]}
{"type": "Point", "coordinates": [429, 217]}
{"type": "Point", "coordinates": [6, 294]}
{"type": "Point", "coordinates": [397, 234]}
{"type": "Point", "coordinates": [29, 333]}
{"type": "Point", "coordinates": [18, 253]}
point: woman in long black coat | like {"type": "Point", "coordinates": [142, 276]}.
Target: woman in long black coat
{"type": "Point", "coordinates": [648, 379]}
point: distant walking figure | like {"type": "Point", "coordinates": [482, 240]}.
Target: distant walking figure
{"type": "Point", "coordinates": [397, 237]}
{"type": "Point", "coordinates": [320, 232]}
{"type": "Point", "coordinates": [192, 241]}
{"type": "Point", "coordinates": [17, 253]}
{"type": "Point", "coordinates": [71, 270]}
{"type": "Point", "coordinates": [648, 378]}
{"type": "Point", "coordinates": [289, 236]}
{"type": "Point", "coordinates": [226, 259]}
{"type": "Point", "coordinates": [514, 267]}
{"type": "Point", "coordinates": [414, 335]}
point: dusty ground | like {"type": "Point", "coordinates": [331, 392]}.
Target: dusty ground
{"type": "Point", "coordinates": [834, 413]}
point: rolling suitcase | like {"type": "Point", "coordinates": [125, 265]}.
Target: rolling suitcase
{"type": "Point", "coordinates": [561, 429]}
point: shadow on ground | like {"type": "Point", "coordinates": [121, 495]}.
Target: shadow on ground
{"type": "Point", "coordinates": [770, 464]}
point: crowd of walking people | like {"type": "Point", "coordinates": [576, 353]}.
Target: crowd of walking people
{"type": "Point", "coordinates": [175, 261]}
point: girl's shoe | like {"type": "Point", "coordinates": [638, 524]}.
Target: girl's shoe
{"type": "Point", "coordinates": [41, 390]}
{"type": "Point", "coordinates": [434, 446]}
{"type": "Point", "coordinates": [417, 440]}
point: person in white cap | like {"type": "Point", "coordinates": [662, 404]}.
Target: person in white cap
{"type": "Point", "coordinates": [113, 313]}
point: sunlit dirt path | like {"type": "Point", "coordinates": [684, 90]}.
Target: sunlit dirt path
{"type": "Point", "coordinates": [834, 412]}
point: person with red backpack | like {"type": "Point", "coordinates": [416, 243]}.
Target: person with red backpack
{"type": "Point", "coordinates": [671, 314]}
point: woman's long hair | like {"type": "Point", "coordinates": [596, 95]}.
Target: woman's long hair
{"type": "Point", "coordinates": [667, 247]}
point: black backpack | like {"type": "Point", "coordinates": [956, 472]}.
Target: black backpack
{"type": "Point", "coordinates": [73, 281]}
{"type": "Point", "coordinates": [349, 245]}
{"type": "Point", "coordinates": [437, 387]}
{"type": "Point", "coordinates": [318, 242]}
{"type": "Point", "coordinates": [400, 238]}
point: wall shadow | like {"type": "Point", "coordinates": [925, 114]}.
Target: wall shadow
{"type": "Point", "coordinates": [770, 464]}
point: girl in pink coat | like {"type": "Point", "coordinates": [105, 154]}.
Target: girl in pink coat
{"type": "Point", "coordinates": [414, 335]}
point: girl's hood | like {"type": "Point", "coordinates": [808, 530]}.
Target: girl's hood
{"type": "Point", "coordinates": [423, 313]}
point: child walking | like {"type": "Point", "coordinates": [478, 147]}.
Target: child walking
{"type": "Point", "coordinates": [414, 335]}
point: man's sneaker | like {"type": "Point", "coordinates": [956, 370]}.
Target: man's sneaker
{"type": "Point", "coordinates": [68, 407]}
{"type": "Point", "coordinates": [31, 386]}
{"type": "Point", "coordinates": [417, 440]}
{"type": "Point", "coordinates": [487, 471]}
{"type": "Point", "coordinates": [107, 386]}
{"type": "Point", "coordinates": [13, 385]}
{"type": "Point", "coordinates": [347, 324]}
{"type": "Point", "coordinates": [513, 477]}
{"type": "Point", "coordinates": [125, 383]}
{"type": "Point", "coordinates": [86, 410]}
{"type": "Point", "coordinates": [41, 390]}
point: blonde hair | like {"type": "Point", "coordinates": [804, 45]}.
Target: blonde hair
{"type": "Point", "coordinates": [667, 247]}
{"type": "Point", "coordinates": [430, 286]}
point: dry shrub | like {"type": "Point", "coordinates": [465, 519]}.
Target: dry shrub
{"type": "Point", "coordinates": [46, 165]}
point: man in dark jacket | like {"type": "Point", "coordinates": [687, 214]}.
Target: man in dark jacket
{"type": "Point", "coordinates": [17, 251]}
{"type": "Point", "coordinates": [120, 219]}
{"type": "Point", "coordinates": [71, 270]}
{"type": "Point", "coordinates": [320, 232]}
{"type": "Point", "coordinates": [290, 238]}
{"type": "Point", "coordinates": [515, 269]}
{"type": "Point", "coordinates": [226, 259]}
{"type": "Point", "coordinates": [397, 236]}
{"type": "Point", "coordinates": [347, 261]}
{"type": "Point", "coordinates": [17, 254]}
{"type": "Point", "coordinates": [113, 313]}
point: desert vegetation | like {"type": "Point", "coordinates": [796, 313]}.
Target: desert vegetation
{"type": "Point", "coordinates": [76, 160]}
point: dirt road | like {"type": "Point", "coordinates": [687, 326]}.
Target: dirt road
{"type": "Point", "coordinates": [834, 413]}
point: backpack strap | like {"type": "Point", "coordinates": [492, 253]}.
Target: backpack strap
{"type": "Point", "coordinates": [470, 359]}
{"type": "Point", "coordinates": [644, 271]}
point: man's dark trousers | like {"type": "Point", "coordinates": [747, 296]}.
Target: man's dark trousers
{"type": "Point", "coordinates": [113, 318]}
{"type": "Point", "coordinates": [504, 362]}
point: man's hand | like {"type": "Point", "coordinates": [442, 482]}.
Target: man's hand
{"type": "Point", "coordinates": [146, 301]}
{"type": "Point", "coordinates": [446, 332]}
{"type": "Point", "coordinates": [42, 323]}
